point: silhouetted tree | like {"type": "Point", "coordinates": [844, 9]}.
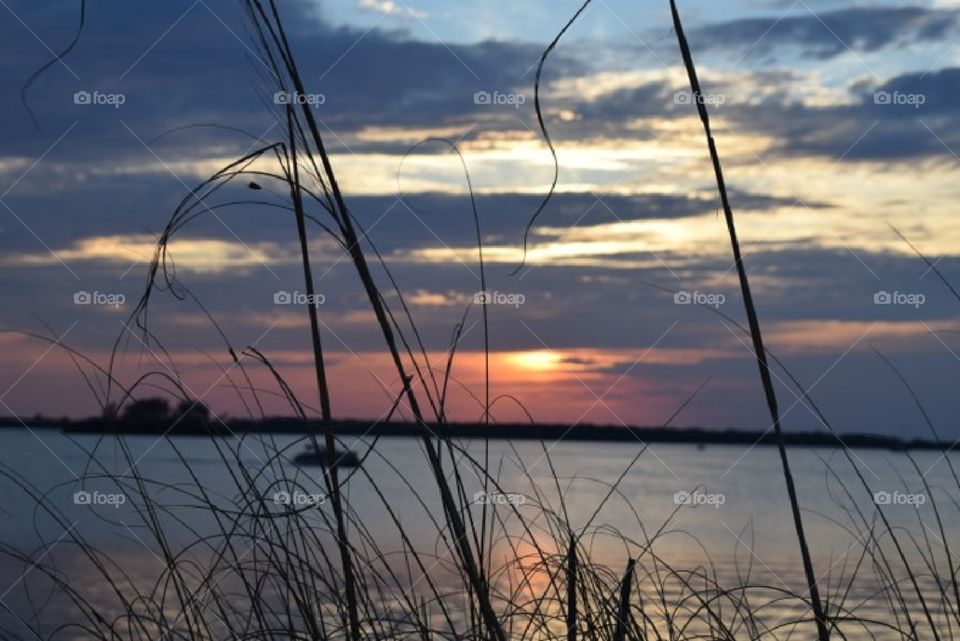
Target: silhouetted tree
{"type": "Point", "coordinates": [191, 415]}
{"type": "Point", "coordinates": [148, 414]}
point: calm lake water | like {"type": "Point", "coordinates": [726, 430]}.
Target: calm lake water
{"type": "Point", "coordinates": [725, 505]}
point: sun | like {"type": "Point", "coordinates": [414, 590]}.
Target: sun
{"type": "Point", "coordinates": [537, 360]}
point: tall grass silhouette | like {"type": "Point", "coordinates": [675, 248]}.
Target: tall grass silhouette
{"type": "Point", "coordinates": [755, 334]}
{"type": "Point", "coordinates": [273, 569]}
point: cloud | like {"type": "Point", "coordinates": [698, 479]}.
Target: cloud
{"type": "Point", "coordinates": [831, 336]}
{"type": "Point", "coordinates": [384, 90]}
{"type": "Point", "coordinates": [367, 77]}
{"type": "Point", "coordinates": [390, 8]}
{"type": "Point", "coordinates": [908, 116]}
{"type": "Point", "coordinates": [196, 255]}
{"type": "Point", "coordinates": [827, 34]}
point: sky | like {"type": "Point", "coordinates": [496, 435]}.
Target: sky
{"type": "Point", "coordinates": [836, 122]}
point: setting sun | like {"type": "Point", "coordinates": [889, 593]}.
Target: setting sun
{"type": "Point", "coordinates": [540, 360]}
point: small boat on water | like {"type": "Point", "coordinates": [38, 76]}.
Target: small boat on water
{"type": "Point", "coordinates": [317, 456]}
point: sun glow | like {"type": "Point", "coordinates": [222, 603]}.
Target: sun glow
{"type": "Point", "coordinates": [537, 361]}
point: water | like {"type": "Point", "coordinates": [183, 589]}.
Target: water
{"type": "Point", "coordinates": [725, 506]}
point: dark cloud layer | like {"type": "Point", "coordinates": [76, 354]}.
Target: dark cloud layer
{"type": "Point", "coordinates": [909, 116]}
{"type": "Point", "coordinates": [828, 34]}
{"type": "Point", "coordinates": [176, 65]}
{"type": "Point", "coordinates": [205, 69]}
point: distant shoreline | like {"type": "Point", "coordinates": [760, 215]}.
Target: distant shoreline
{"type": "Point", "coordinates": [519, 432]}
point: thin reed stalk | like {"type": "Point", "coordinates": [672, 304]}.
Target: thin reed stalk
{"type": "Point", "coordinates": [754, 324]}
{"type": "Point", "coordinates": [341, 213]}
{"type": "Point", "coordinates": [331, 471]}
{"type": "Point", "coordinates": [572, 590]}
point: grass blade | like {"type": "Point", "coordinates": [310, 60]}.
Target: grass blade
{"type": "Point", "coordinates": [771, 396]}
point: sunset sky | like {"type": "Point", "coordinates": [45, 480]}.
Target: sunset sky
{"type": "Point", "coordinates": [836, 121]}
